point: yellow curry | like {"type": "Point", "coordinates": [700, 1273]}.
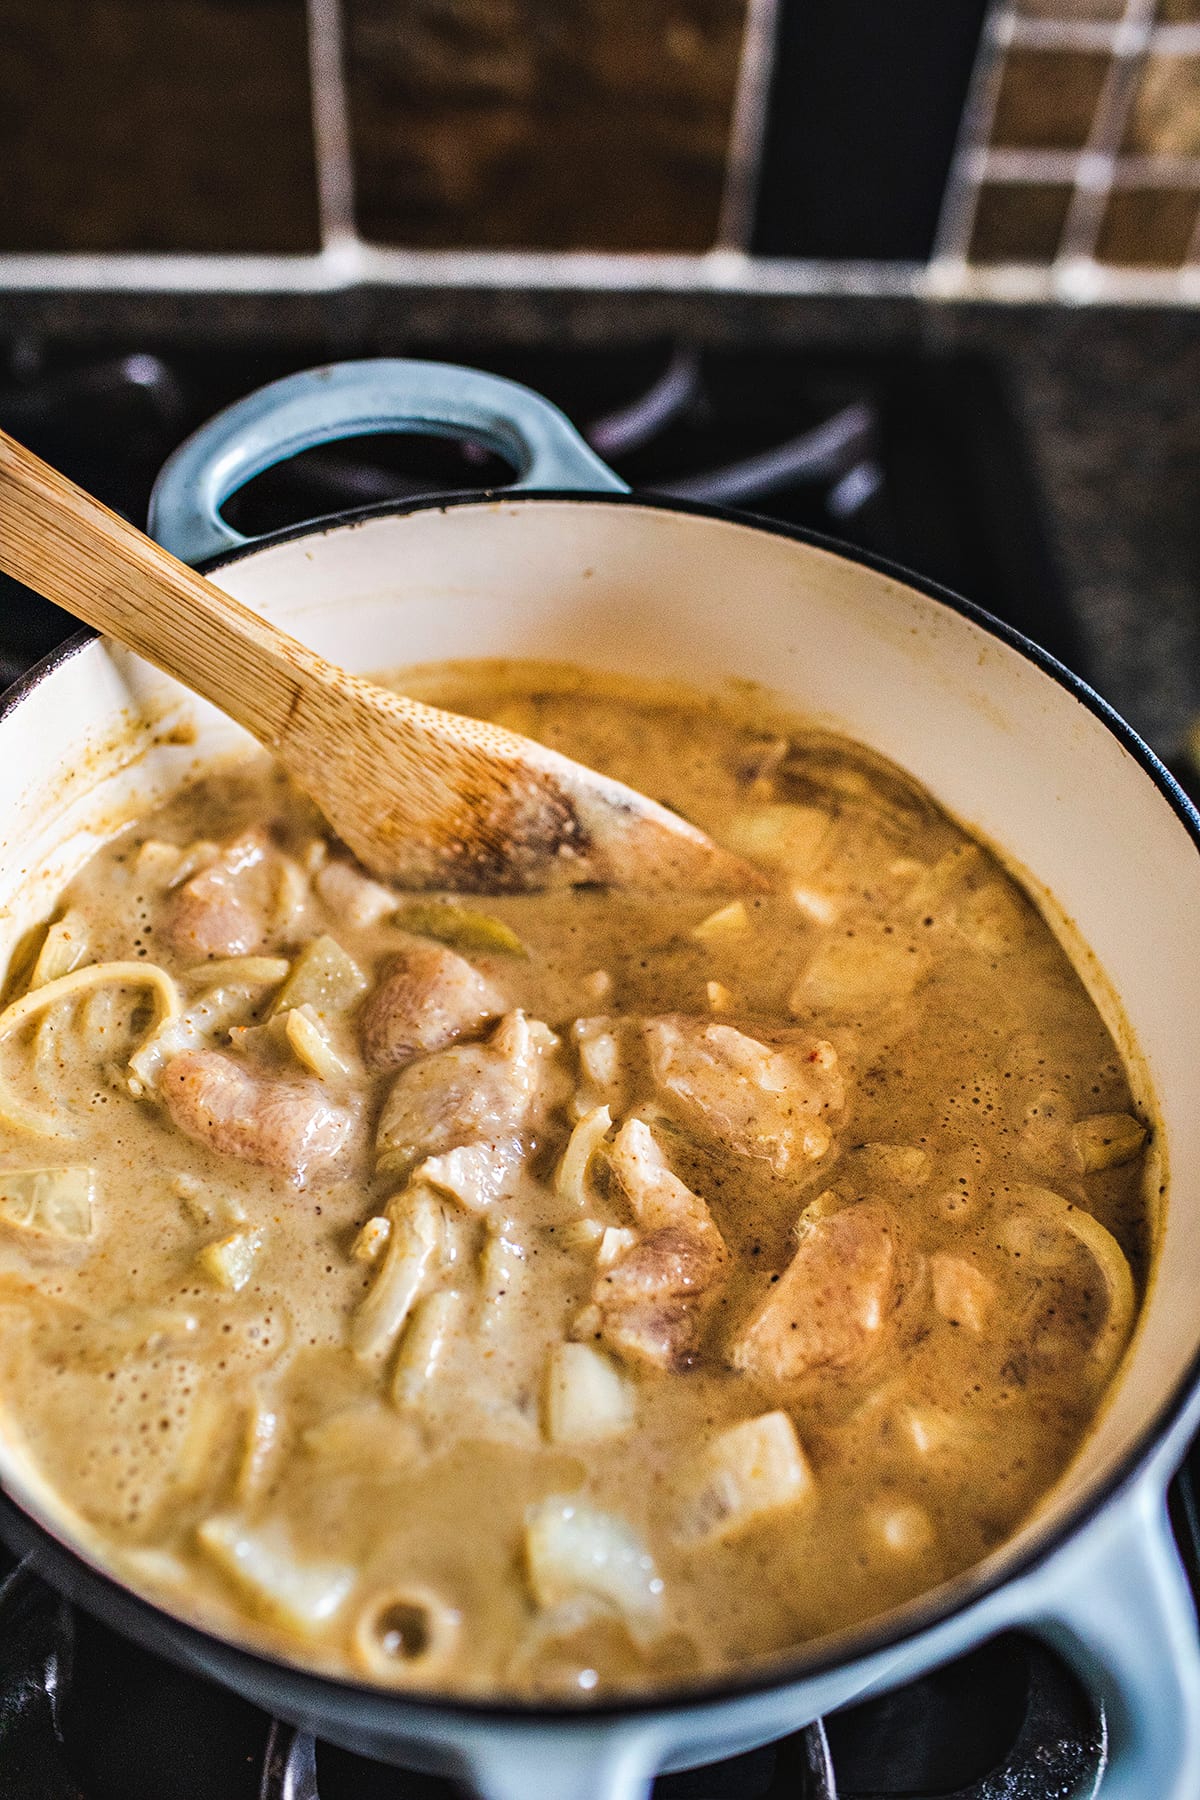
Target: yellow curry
{"type": "Point", "coordinates": [567, 1293]}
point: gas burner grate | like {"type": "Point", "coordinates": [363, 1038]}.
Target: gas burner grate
{"type": "Point", "coordinates": [915, 458]}
{"type": "Point", "coordinates": [84, 1715]}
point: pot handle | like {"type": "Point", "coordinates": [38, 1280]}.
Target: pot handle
{"type": "Point", "coordinates": [1127, 1624]}
{"type": "Point", "coordinates": [347, 400]}
{"type": "Point", "coordinates": [592, 1764]}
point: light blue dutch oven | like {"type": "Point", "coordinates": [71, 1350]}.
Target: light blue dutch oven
{"type": "Point", "coordinates": [567, 564]}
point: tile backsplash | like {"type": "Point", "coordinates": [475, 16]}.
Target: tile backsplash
{"type": "Point", "coordinates": [1047, 101]}
{"type": "Point", "coordinates": [174, 125]}
{"type": "Point", "coordinates": [528, 124]}
{"type": "Point", "coordinates": [188, 124]}
{"type": "Point", "coordinates": [224, 126]}
{"type": "Point", "coordinates": [1082, 138]}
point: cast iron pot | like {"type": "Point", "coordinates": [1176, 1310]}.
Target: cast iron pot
{"type": "Point", "coordinates": [568, 565]}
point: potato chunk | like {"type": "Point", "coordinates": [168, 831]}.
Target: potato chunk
{"type": "Point", "coordinates": [851, 975]}
{"type": "Point", "coordinates": [586, 1397]}
{"type": "Point", "coordinates": [572, 1550]}
{"type": "Point", "coordinates": [788, 838]}
{"type": "Point", "coordinates": [230, 1260]}
{"type": "Point", "coordinates": [962, 1293]}
{"type": "Point", "coordinates": [745, 1474]}
{"type": "Point", "coordinates": [57, 1202]}
{"type": "Point", "coordinates": [732, 921]}
{"type": "Point", "coordinates": [302, 1596]}
{"type": "Point", "coordinates": [325, 977]}
{"type": "Point", "coordinates": [64, 949]}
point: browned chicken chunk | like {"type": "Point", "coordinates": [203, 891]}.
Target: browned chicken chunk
{"type": "Point", "coordinates": [487, 1094]}
{"type": "Point", "coordinates": [770, 1101]}
{"type": "Point", "coordinates": [285, 1125]}
{"type": "Point", "coordinates": [653, 1302]}
{"type": "Point", "coordinates": [222, 911]}
{"type": "Point", "coordinates": [829, 1308]}
{"type": "Point", "coordinates": [429, 997]}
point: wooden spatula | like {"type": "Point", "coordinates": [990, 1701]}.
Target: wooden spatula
{"type": "Point", "coordinates": [422, 797]}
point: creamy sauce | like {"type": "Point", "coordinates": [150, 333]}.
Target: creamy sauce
{"type": "Point", "coordinates": [572, 1292]}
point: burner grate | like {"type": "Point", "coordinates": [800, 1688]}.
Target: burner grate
{"type": "Point", "coordinates": [85, 1715]}
{"type": "Point", "coordinates": [915, 458]}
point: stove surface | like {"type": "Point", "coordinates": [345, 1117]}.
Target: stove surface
{"type": "Point", "coordinates": [917, 460]}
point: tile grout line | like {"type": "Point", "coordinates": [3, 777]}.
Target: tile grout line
{"type": "Point", "coordinates": [1191, 256]}
{"type": "Point", "coordinates": [1040, 168]}
{"type": "Point", "coordinates": [1093, 34]}
{"type": "Point", "coordinates": [331, 125]}
{"type": "Point", "coordinates": [1063, 34]}
{"type": "Point", "coordinates": [748, 126]}
{"type": "Point", "coordinates": [960, 201]}
{"type": "Point", "coordinates": [131, 275]}
{"type": "Point", "coordinates": [1096, 174]}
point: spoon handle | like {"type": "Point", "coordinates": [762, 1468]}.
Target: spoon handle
{"type": "Point", "coordinates": [73, 550]}
{"type": "Point", "coordinates": [419, 795]}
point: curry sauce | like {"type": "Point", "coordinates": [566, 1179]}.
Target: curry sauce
{"type": "Point", "coordinates": [561, 1293]}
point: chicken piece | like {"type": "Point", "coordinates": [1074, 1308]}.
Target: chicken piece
{"type": "Point", "coordinates": [429, 997]}
{"type": "Point", "coordinates": [287, 1125]}
{"type": "Point", "coordinates": [764, 1100]}
{"type": "Point", "coordinates": [474, 1174]}
{"type": "Point", "coordinates": [651, 1303]}
{"type": "Point", "coordinates": [222, 911]}
{"type": "Point", "coordinates": [657, 1198]}
{"type": "Point", "coordinates": [489, 1094]}
{"type": "Point", "coordinates": [352, 897]}
{"type": "Point", "coordinates": [830, 1306]}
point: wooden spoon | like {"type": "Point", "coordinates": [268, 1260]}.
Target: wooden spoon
{"type": "Point", "coordinates": [422, 797]}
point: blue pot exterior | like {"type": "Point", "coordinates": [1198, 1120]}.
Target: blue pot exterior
{"type": "Point", "coordinates": [349, 399]}
{"type": "Point", "coordinates": [1107, 1589]}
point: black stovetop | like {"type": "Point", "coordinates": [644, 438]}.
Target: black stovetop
{"type": "Point", "coordinates": [918, 460]}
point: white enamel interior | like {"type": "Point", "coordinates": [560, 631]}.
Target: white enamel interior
{"type": "Point", "coordinates": [640, 590]}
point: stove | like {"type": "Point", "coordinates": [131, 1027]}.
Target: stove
{"type": "Point", "coordinates": [915, 458]}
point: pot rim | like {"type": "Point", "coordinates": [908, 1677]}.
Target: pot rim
{"type": "Point", "coordinates": [927, 1611]}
